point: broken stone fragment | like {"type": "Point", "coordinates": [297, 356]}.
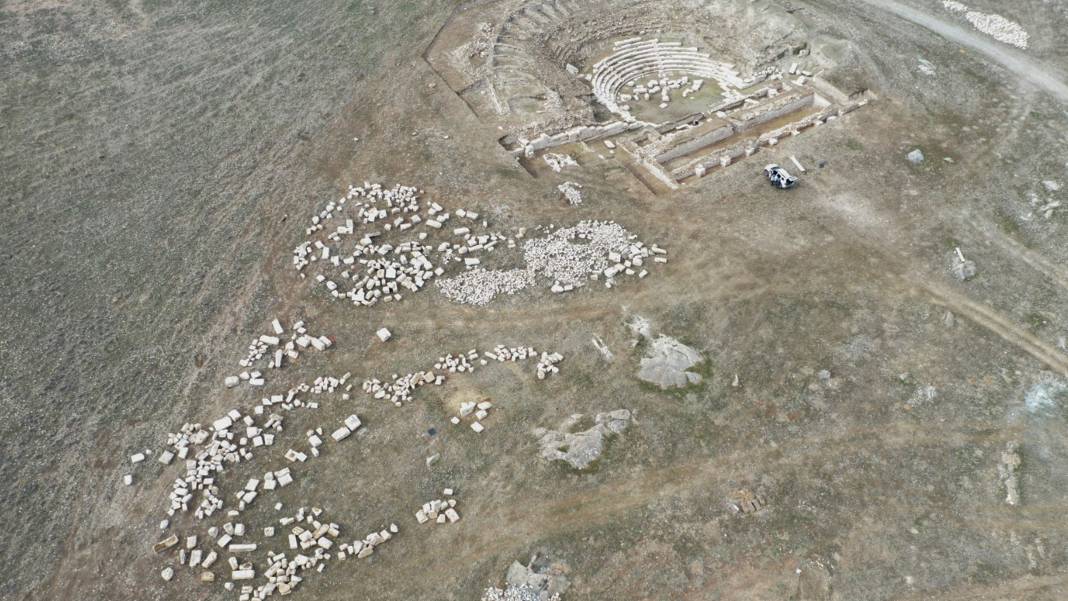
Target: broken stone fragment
{"type": "Point", "coordinates": [165, 544]}
{"type": "Point", "coordinates": [964, 270]}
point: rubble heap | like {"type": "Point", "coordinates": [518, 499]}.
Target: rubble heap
{"type": "Point", "coordinates": [480, 411]}
{"type": "Point", "coordinates": [572, 192]}
{"type": "Point", "coordinates": [361, 549]}
{"type": "Point", "coordinates": [232, 438]}
{"type": "Point", "coordinates": [581, 449]}
{"type": "Point", "coordinates": [439, 511]}
{"type": "Point", "coordinates": [383, 242]}
{"type": "Point", "coordinates": [480, 286]}
{"type": "Point", "coordinates": [261, 346]}
{"type": "Point", "coordinates": [568, 257]}
{"type": "Point", "coordinates": [557, 162]}
{"type": "Point", "coordinates": [994, 25]}
{"type": "Point", "coordinates": [539, 580]}
{"type": "Point", "coordinates": [400, 388]}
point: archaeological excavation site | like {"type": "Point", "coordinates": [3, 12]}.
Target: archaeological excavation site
{"type": "Point", "coordinates": [534, 300]}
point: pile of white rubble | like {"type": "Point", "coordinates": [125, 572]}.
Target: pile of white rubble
{"type": "Point", "coordinates": [233, 438]}
{"type": "Point", "coordinates": [658, 91]}
{"type": "Point", "coordinates": [559, 161]}
{"type": "Point", "coordinates": [400, 388]}
{"type": "Point", "coordinates": [290, 350]}
{"type": "Point", "coordinates": [994, 25]}
{"type": "Point", "coordinates": [480, 411]}
{"type": "Point", "coordinates": [439, 511]}
{"type": "Point", "coordinates": [385, 242]}
{"type": "Point", "coordinates": [572, 192]}
{"type": "Point", "coordinates": [568, 257]}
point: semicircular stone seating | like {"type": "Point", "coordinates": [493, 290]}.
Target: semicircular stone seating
{"type": "Point", "coordinates": [635, 58]}
{"type": "Point", "coordinates": [515, 69]}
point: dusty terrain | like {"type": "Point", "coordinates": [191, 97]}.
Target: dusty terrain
{"type": "Point", "coordinates": [159, 162]}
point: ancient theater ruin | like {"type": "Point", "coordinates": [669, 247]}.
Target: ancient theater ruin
{"type": "Point", "coordinates": [668, 94]}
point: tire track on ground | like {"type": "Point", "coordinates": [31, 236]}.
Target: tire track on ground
{"type": "Point", "coordinates": [1000, 325]}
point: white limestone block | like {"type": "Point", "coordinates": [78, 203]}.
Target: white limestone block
{"type": "Point", "coordinates": [353, 422]}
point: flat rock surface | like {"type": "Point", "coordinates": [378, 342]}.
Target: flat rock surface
{"type": "Point", "coordinates": [667, 362]}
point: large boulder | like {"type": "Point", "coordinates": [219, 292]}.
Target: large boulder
{"type": "Point", "coordinates": [581, 449]}
{"type": "Point", "coordinates": [667, 362]}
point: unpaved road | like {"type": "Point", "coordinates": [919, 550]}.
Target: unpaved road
{"type": "Point", "coordinates": [1026, 68]}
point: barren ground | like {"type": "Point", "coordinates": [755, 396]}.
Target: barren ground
{"type": "Point", "coordinates": [159, 161]}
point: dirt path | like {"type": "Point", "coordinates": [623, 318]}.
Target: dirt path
{"type": "Point", "coordinates": [1023, 67]}
{"type": "Point", "coordinates": [1056, 273]}
{"type": "Point", "coordinates": [999, 324]}
{"type": "Point", "coordinates": [607, 502]}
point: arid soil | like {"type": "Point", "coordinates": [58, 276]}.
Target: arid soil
{"type": "Point", "coordinates": [160, 161]}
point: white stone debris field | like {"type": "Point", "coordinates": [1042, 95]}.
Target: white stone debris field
{"type": "Point", "coordinates": [994, 25]}
{"type": "Point", "coordinates": [386, 243]}
{"type": "Point", "coordinates": [205, 452]}
{"type": "Point", "coordinates": [568, 257]}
